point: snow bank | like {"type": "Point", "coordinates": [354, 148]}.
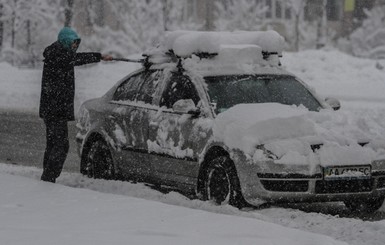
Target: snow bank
{"type": "Point", "coordinates": [34, 212]}
{"type": "Point", "coordinates": [357, 82]}
{"type": "Point", "coordinates": [20, 88]}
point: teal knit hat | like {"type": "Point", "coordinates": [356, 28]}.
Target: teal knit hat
{"type": "Point", "coordinates": [67, 36]}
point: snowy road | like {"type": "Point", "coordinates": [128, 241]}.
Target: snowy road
{"type": "Point", "coordinates": [22, 140]}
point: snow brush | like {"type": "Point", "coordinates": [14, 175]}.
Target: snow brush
{"type": "Point", "coordinates": [128, 60]}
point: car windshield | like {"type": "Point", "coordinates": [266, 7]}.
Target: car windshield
{"type": "Point", "coordinates": [227, 91]}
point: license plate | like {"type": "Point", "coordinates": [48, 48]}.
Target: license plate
{"type": "Point", "coordinates": [347, 172]}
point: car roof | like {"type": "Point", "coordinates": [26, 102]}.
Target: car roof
{"type": "Point", "coordinates": [219, 53]}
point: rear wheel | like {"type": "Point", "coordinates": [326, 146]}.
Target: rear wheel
{"type": "Point", "coordinates": [221, 184]}
{"type": "Point", "coordinates": [366, 206]}
{"type": "Point", "coordinates": [98, 161]}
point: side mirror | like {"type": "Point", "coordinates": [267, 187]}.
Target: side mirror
{"type": "Point", "coordinates": [186, 107]}
{"type": "Point", "coordinates": [334, 103]}
{"type": "Point", "coordinates": [195, 113]}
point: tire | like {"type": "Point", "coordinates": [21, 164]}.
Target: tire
{"type": "Point", "coordinates": [365, 206]}
{"type": "Point", "coordinates": [98, 161]}
{"type": "Point", "coordinates": [220, 184]}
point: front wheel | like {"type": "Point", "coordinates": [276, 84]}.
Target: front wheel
{"type": "Point", "coordinates": [98, 161]}
{"type": "Point", "coordinates": [221, 184]}
{"type": "Point", "coordinates": [366, 206]}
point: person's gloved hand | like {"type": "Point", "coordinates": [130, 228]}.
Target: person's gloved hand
{"type": "Point", "coordinates": [106, 57]}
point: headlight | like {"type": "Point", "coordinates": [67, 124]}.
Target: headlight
{"type": "Point", "coordinates": [266, 152]}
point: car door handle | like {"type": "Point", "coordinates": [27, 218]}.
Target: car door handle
{"type": "Point", "coordinates": [154, 124]}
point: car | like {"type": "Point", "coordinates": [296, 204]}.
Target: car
{"type": "Point", "coordinates": [214, 115]}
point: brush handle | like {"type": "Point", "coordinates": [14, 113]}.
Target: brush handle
{"type": "Point", "coordinates": [129, 60]}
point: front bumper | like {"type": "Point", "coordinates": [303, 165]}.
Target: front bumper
{"type": "Point", "coordinates": [281, 183]}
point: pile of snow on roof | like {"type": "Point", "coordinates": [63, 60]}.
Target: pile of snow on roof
{"type": "Point", "coordinates": [186, 43]}
{"type": "Point", "coordinates": [225, 50]}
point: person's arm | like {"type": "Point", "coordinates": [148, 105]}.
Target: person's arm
{"type": "Point", "coordinates": [86, 58]}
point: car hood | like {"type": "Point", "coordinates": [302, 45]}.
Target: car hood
{"type": "Point", "coordinates": [294, 135]}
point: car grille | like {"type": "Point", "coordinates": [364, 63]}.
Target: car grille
{"type": "Point", "coordinates": [381, 183]}
{"type": "Point", "coordinates": [286, 185]}
{"type": "Point", "coordinates": [343, 186]}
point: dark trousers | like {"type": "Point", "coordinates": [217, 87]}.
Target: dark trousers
{"type": "Point", "coordinates": [56, 149]}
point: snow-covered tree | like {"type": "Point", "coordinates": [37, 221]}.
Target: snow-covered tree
{"type": "Point", "coordinates": [175, 17]}
{"type": "Point", "coordinates": [140, 24]}
{"type": "Point", "coordinates": [239, 15]}
{"type": "Point", "coordinates": [1, 25]}
{"type": "Point", "coordinates": [307, 29]}
{"type": "Point", "coordinates": [369, 39]}
{"type": "Point", "coordinates": [297, 7]}
{"type": "Point", "coordinates": [27, 23]}
{"type": "Point", "coordinates": [68, 12]}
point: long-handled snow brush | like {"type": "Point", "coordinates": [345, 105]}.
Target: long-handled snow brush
{"type": "Point", "coordinates": [129, 60]}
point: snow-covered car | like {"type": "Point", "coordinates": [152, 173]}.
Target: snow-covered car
{"type": "Point", "coordinates": [215, 115]}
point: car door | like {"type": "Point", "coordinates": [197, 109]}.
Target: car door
{"type": "Point", "coordinates": [176, 138]}
{"type": "Point", "coordinates": [130, 121]}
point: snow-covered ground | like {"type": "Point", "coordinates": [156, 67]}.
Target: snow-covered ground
{"type": "Point", "coordinates": [33, 212]}
{"type": "Point", "coordinates": [78, 210]}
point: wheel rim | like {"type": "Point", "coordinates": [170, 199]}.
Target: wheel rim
{"type": "Point", "coordinates": [218, 186]}
{"type": "Point", "coordinates": [99, 162]}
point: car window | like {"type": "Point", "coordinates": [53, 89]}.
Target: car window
{"type": "Point", "coordinates": [147, 89]}
{"type": "Point", "coordinates": [127, 91]}
{"type": "Point", "coordinates": [179, 88]}
{"type": "Point", "coordinates": [227, 91]}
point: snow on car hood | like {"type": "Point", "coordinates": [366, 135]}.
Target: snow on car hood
{"type": "Point", "coordinates": [294, 135]}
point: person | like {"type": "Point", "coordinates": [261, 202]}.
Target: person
{"type": "Point", "coordinates": [57, 97]}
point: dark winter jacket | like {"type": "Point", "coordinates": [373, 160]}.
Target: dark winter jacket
{"type": "Point", "coordinates": [58, 81]}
